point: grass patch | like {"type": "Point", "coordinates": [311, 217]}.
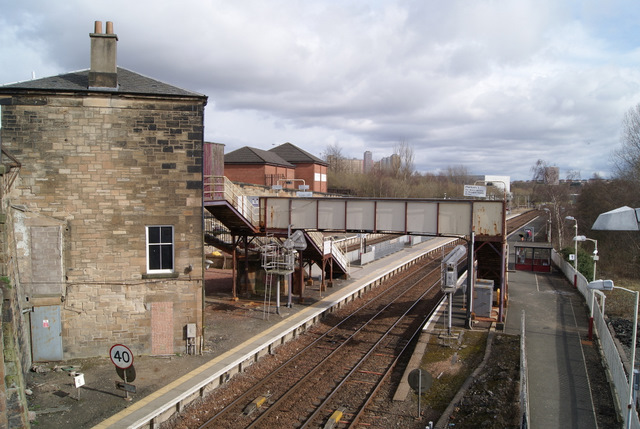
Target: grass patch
{"type": "Point", "coordinates": [619, 303]}
{"type": "Point", "coordinates": [450, 362]}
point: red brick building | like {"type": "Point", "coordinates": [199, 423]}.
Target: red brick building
{"type": "Point", "coordinates": [285, 165]}
{"type": "Point", "coordinates": [257, 166]}
{"type": "Point", "coordinates": [309, 168]}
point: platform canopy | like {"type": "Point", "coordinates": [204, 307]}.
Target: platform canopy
{"type": "Point", "coordinates": [394, 216]}
{"type": "Point", "coordinates": [620, 219]}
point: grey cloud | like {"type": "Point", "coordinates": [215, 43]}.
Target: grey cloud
{"type": "Point", "coordinates": [493, 86]}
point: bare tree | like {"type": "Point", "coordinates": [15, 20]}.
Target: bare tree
{"type": "Point", "coordinates": [548, 192]}
{"type": "Point", "coordinates": [404, 160]}
{"type": "Point", "coordinates": [333, 155]}
{"type": "Point", "coordinates": [458, 174]}
{"type": "Point", "coordinates": [544, 173]}
{"type": "Point", "coordinates": [573, 175]}
{"type": "Point", "coordinates": [627, 158]}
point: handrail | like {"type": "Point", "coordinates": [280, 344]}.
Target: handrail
{"type": "Point", "coordinates": [339, 256]}
{"type": "Point", "coordinates": [220, 188]}
{"type": "Point", "coordinates": [333, 249]}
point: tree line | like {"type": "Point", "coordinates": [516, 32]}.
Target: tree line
{"type": "Point", "coordinates": [619, 251]}
{"type": "Point", "coordinates": [396, 178]}
{"type": "Point", "coordinates": [585, 201]}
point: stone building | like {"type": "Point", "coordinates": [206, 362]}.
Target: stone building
{"type": "Point", "coordinates": [102, 240]}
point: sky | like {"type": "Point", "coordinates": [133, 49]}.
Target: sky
{"type": "Point", "coordinates": [488, 85]}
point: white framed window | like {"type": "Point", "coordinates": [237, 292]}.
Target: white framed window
{"type": "Point", "coordinates": [160, 248]}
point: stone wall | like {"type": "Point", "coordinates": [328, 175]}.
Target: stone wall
{"type": "Point", "coordinates": [14, 336]}
{"type": "Point", "coordinates": [101, 169]}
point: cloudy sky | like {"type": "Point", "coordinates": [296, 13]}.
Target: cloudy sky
{"type": "Point", "coordinates": [491, 85]}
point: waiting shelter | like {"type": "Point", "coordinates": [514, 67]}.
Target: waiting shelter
{"type": "Point", "coordinates": [532, 256]}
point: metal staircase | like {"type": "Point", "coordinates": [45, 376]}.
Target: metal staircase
{"type": "Point", "coordinates": [237, 214]}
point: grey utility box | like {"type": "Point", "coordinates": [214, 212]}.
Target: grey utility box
{"type": "Point", "coordinates": [483, 298]}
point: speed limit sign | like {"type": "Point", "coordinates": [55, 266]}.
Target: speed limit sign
{"type": "Point", "coordinates": [121, 356]}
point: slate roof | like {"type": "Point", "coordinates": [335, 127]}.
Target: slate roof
{"type": "Point", "coordinates": [128, 83]}
{"type": "Point", "coordinates": [295, 155]}
{"type": "Point", "coordinates": [251, 155]}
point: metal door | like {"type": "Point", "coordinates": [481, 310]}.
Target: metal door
{"type": "Point", "coordinates": [46, 333]}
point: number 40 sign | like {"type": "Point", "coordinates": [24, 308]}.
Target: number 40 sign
{"type": "Point", "coordinates": [121, 356]}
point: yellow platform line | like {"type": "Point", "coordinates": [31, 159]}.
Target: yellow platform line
{"type": "Point", "coordinates": [158, 393]}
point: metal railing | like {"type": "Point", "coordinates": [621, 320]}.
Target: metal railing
{"type": "Point", "coordinates": [214, 227]}
{"type": "Point", "coordinates": [219, 188]}
{"type": "Point", "coordinates": [524, 377]}
{"type": "Point", "coordinates": [338, 255]}
{"type": "Point", "coordinates": [329, 247]}
{"type": "Point", "coordinates": [613, 360]}
{"type": "Point", "coordinates": [275, 259]}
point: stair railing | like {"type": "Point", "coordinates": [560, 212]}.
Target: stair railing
{"type": "Point", "coordinates": [218, 188]}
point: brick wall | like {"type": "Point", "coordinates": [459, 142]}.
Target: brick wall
{"type": "Point", "coordinates": [250, 173]}
{"type": "Point", "coordinates": [310, 172]}
{"type": "Point", "coordinates": [103, 168]}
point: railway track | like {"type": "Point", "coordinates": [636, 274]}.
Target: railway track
{"type": "Point", "coordinates": [519, 221]}
{"type": "Point", "coordinates": [351, 357]}
{"type": "Point", "coordinates": [337, 372]}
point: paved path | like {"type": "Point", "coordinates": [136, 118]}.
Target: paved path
{"type": "Point", "coordinates": [556, 324]}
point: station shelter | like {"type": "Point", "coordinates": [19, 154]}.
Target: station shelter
{"type": "Point", "coordinates": [532, 256]}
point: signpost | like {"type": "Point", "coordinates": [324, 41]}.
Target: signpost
{"type": "Point", "coordinates": [420, 381]}
{"type": "Point", "coordinates": [475, 191]}
{"type": "Point", "coordinates": [78, 381]}
{"type": "Point", "coordinates": [122, 358]}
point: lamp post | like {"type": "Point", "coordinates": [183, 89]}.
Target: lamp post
{"type": "Point", "coordinates": [608, 285]}
{"type": "Point", "coordinates": [595, 252]}
{"type": "Point", "coordinates": [548, 224]}
{"type": "Point", "coordinates": [575, 256]}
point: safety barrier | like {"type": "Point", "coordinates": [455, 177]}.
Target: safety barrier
{"type": "Point", "coordinates": [613, 360]}
{"type": "Point", "coordinates": [524, 379]}
{"type": "Point", "coordinates": [219, 188]}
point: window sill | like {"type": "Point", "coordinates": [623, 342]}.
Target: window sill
{"type": "Point", "coordinates": [160, 276]}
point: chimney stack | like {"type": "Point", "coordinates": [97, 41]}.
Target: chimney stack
{"type": "Point", "coordinates": [103, 72]}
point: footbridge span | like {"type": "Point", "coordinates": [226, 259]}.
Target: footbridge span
{"type": "Point", "coordinates": [481, 223]}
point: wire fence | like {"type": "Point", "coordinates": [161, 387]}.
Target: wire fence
{"type": "Point", "coordinates": [614, 363]}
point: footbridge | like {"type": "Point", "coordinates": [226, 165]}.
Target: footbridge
{"type": "Point", "coordinates": [481, 223]}
{"type": "Point", "coordinates": [234, 227]}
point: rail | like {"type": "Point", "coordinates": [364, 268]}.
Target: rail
{"type": "Point", "coordinates": [219, 188]}
{"type": "Point", "coordinates": [329, 247]}
{"type": "Point", "coordinates": [172, 401]}
{"type": "Point", "coordinates": [338, 255]}
{"type": "Point", "coordinates": [314, 355]}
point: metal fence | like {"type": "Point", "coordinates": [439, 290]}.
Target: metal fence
{"type": "Point", "coordinates": [524, 379]}
{"type": "Point", "coordinates": [386, 248]}
{"type": "Point", "coordinates": [613, 361]}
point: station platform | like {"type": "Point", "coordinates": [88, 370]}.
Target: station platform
{"type": "Point", "coordinates": [556, 328]}
{"type": "Point", "coordinates": [158, 406]}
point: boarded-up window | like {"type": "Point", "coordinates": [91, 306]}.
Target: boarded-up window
{"type": "Point", "coordinates": [46, 260]}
